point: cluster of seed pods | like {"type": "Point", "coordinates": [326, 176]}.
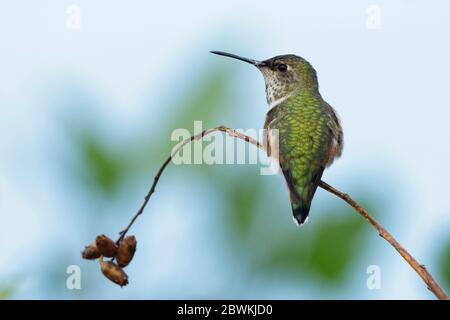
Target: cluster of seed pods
{"type": "Point", "coordinates": [122, 253]}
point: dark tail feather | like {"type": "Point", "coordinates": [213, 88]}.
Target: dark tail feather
{"type": "Point", "coordinates": [300, 212]}
{"type": "Point", "coordinates": [300, 207]}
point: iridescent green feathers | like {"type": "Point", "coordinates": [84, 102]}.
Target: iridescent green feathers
{"type": "Point", "coordinates": [309, 134]}
{"type": "Point", "coordinates": [302, 130]}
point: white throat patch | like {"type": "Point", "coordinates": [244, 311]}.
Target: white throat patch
{"type": "Point", "coordinates": [274, 103]}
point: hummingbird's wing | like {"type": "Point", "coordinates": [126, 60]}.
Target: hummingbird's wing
{"type": "Point", "coordinates": [337, 133]}
{"type": "Point", "coordinates": [265, 143]}
{"type": "Point", "coordinates": [305, 143]}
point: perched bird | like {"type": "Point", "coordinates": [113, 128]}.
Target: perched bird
{"type": "Point", "coordinates": [309, 135]}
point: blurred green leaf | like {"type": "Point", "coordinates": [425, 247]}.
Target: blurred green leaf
{"type": "Point", "coordinates": [243, 200]}
{"type": "Point", "coordinates": [326, 251]}
{"type": "Point", "coordinates": [445, 264]}
{"type": "Point", "coordinates": [101, 167]}
{"type": "Point", "coordinates": [203, 102]}
{"type": "Point", "coordinates": [206, 99]}
{"type": "Point", "coordinates": [335, 246]}
{"type": "Point", "coordinates": [6, 292]}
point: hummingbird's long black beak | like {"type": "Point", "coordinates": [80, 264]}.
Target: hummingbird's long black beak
{"type": "Point", "coordinates": [230, 55]}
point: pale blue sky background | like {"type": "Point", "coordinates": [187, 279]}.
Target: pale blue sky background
{"type": "Point", "coordinates": [389, 86]}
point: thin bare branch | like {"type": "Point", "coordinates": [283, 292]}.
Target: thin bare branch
{"type": "Point", "coordinates": [419, 268]}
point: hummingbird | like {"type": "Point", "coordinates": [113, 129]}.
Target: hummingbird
{"type": "Point", "coordinates": [309, 135]}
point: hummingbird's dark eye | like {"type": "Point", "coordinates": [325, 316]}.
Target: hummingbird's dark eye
{"type": "Point", "coordinates": [282, 67]}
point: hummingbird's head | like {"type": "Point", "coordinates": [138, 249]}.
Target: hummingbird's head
{"type": "Point", "coordinates": [283, 75]}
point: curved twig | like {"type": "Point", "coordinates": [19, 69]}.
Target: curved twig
{"type": "Point", "coordinates": [419, 268]}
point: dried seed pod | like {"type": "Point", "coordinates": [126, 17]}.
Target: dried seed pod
{"type": "Point", "coordinates": [114, 273]}
{"type": "Point", "coordinates": [90, 252]}
{"type": "Point", "coordinates": [126, 250]}
{"type": "Point", "coordinates": [106, 246]}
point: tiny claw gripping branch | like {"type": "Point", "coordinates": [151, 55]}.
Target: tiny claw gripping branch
{"type": "Point", "coordinates": [116, 274]}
